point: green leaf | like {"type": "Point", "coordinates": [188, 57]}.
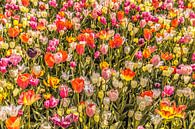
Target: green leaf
{"type": "Point", "coordinates": [116, 125]}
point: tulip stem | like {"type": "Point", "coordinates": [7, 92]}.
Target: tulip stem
{"type": "Point", "coordinates": [29, 117]}
{"type": "Point", "coordinates": [77, 97]}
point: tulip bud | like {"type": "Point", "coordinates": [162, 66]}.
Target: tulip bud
{"type": "Point", "coordinates": [138, 115]}
{"type": "Point", "coordinates": [133, 84]}
{"type": "Point", "coordinates": [90, 109]}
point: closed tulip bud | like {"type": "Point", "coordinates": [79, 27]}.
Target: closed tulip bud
{"type": "Point", "coordinates": [130, 113]}
{"type": "Point", "coordinates": [63, 91]}
{"type": "Point", "coordinates": [133, 84]}
{"type": "Point", "coordinates": [142, 106]}
{"type": "Point", "coordinates": [90, 109]}
{"type": "Point", "coordinates": [60, 111]}
{"type": "Point", "coordinates": [106, 101]}
{"type": "Point", "coordinates": [156, 119]}
{"type": "Point", "coordinates": [96, 118]}
{"type": "Point", "coordinates": [176, 76]}
{"type": "Point", "coordinates": [101, 94]}
{"type": "Point", "coordinates": [13, 73]}
{"type": "Point", "coordinates": [143, 82]}
{"type": "Point", "coordinates": [127, 49]}
{"type": "Point", "coordinates": [138, 115]}
{"type": "Point", "coordinates": [16, 92]}
{"type": "Point", "coordinates": [113, 94]}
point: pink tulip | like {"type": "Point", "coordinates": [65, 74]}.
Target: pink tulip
{"type": "Point", "coordinates": [138, 55]}
{"type": "Point", "coordinates": [168, 91]}
{"type": "Point", "coordinates": [73, 64]}
{"type": "Point", "coordinates": [90, 109]}
{"type": "Point", "coordinates": [34, 81]}
{"type": "Point", "coordinates": [155, 60]}
{"type": "Point", "coordinates": [193, 57]}
{"type": "Point", "coordinates": [3, 69]}
{"type": "Point", "coordinates": [58, 57]}
{"type": "Point", "coordinates": [53, 3]}
{"type": "Point", "coordinates": [46, 104]}
{"type": "Point", "coordinates": [63, 91]}
{"type": "Point", "coordinates": [103, 20]}
{"type": "Point", "coordinates": [15, 59]}
{"type": "Point", "coordinates": [140, 127]}
{"type": "Point", "coordinates": [142, 23]}
{"type": "Point", "coordinates": [184, 70]}
{"type": "Point", "coordinates": [96, 54]}
{"type": "Point", "coordinates": [113, 95]}
{"type": "Point", "coordinates": [51, 103]}
{"type": "Point", "coordinates": [104, 49]}
{"type": "Point", "coordinates": [106, 73]}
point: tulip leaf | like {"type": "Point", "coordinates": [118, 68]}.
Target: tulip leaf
{"type": "Point", "coordinates": [191, 107]}
{"type": "Point", "coordinates": [116, 125]}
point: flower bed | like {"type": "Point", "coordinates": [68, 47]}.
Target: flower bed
{"type": "Point", "coordinates": [91, 64]}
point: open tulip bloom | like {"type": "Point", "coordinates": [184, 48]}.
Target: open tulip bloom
{"type": "Point", "coordinates": [97, 64]}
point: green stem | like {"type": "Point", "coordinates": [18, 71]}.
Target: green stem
{"type": "Point", "coordinates": [29, 117]}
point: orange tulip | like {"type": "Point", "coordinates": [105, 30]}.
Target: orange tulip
{"type": "Point", "coordinates": [25, 3]}
{"type": "Point", "coordinates": [1, 39]}
{"type": "Point", "coordinates": [24, 37]}
{"type": "Point", "coordinates": [120, 15]}
{"type": "Point", "coordinates": [167, 56]}
{"type": "Point", "coordinates": [13, 32]}
{"type": "Point", "coordinates": [23, 80]}
{"type": "Point", "coordinates": [60, 25]}
{"type": "Point", "coordinates": [146, 53]}
{"type": "Point", "coordinates": [68, 24]}
{"type": "Point", "coordinates": [147, 93]}
{"type": "Point", "coordinates": [127, 74]}
{"type": "Point", "coordinates": [193, 76]}
{"type": "Point", "coordinates": [49, 59]}
{"type": "Point", "coordinates": [64, 55]}
{"type": "Point", "coordinates": [174, 22]}
{"type": "Point", "coordinates": [78, 85]}
{"type": "Point", "coordinates": [147, 34]}
{"type": "Point", "coordinates": [116, 42]}
{"type": "Point", "coordinates": [13, 123]}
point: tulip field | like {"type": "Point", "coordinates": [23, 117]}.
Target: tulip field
{"type": "Point", "coordinates": [97, 64]}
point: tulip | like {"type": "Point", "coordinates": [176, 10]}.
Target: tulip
{"type": "Point", "coordinates": [113, 95]}
{"type": "Point", "coordinates": [96, 54]}
{"type": "Point", "coordinates": [80, 48]}
{"type": "Point", "coordinates": [36, 70]}
{"type": "Point", "coordinates": [90, 109]}
{"type": "Point", "coordinates": [168, 91]}
{"type": "Point", "coordinates": [63, 91]}
{"type": "Point", "coordinates": [78, 85]}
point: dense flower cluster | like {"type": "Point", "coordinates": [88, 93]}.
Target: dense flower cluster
{"type": "Point", "coordinates": [97, 64]}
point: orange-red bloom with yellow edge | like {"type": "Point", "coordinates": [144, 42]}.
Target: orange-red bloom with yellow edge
{"type": "Point", "coordinates": [169, 110]}
{"type": "Point", "coordinates": [28, 98]}
{"type": "Point", "coordinates": [127, 74]}
{"type": "Point", "coordinates": [13, 123]}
